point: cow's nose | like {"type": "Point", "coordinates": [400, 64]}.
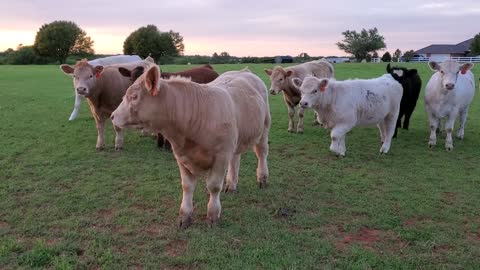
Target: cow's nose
{"type": "Point", "coordinates": [304, 104]}
{"type": "Point", "coordinates": [81, 89]}
{"type": "Point", "coordinates": [449, 86]}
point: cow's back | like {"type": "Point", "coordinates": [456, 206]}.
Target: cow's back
{"type": "Point", "coordinates": [116, 59]}
{"type": "Point", "coordinates": [250, 98]}
{"type": "Point", "coordinates": [318, 68]}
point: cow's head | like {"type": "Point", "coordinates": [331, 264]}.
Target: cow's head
{"type": "Point", "coordinates": [138, 102]}
{"type": "Point", "coordinates": [279, 78]}
{"type": "Point", "coordinates": [84, 76]}
{"type": "Point", "coordinates": [401, 74]}
{"type": "Point", "coordinates": [312, 90]}
{"type": "Point", "coordinates": [449, 72]}
{"type": "Point", "coordinates": [132, 74]}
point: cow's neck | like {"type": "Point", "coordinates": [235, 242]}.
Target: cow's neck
{"type": "Point", "coordinates": [291, 90]}
{"type": "Point", "coordinates": [180, 108]}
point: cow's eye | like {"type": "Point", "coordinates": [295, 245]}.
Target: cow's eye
{"type": "Point", "coordinates": [134, 97]}
{"type": "Point", "coordinates": [441, 71]}
{"type": "Point", "coordinates": [314, 91]}
{"type": "Point", "coordinates": [91, 76]}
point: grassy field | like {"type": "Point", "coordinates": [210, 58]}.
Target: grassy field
{"type": "Point", "coordinates": [65, 206]}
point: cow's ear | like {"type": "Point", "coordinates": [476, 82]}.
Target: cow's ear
{"type": "Point", "coordinates": [434, 66]}
{"type": "Point", "coordinates": [389, 69]}
{"type": "Point", "coordinates": [323, 85]}
{"type": "Point", "coordinates": [289, 73]}
{"type": "Point", "coordinates": [297, 82]}
{"type": "Point", "coordinates": [465, 67]}
{"type": "Point", "coordinates": [152, 79]}
{"type": "Point", "coordinates": [125, 72]}
{"type": "Point", "coordinates": [98, 71]}
{"type": "Point", "coordinates": [268, 71]}
{"type": "Point", "coordinates": [412, 72]}
{"type": "Point", "coordinates": [67, 69]}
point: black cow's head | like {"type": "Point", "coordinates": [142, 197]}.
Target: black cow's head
{"type": "Point", "coordinates": [133, 74]}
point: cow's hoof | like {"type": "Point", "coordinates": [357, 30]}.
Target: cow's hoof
{"type": "Point", "coordinates": [184, 221]}
{"type": "Point", "coordinates": [212, 221]}
{"type": "Point", "coordinates": [100, 148]}
{"type": "Point", "coordinates": [118, 148]}
{"type": "Point", "coordinates": [291, 130]}
{"type": "Point", "coordinates": [431, 144]}
{"type": "Point", "coordinates": [262, 185]}
{"type": "Point", "coordinates": [300, 131]}
{"type": "Point", "coordinates": [449, 147]}
{"type": "Point", "coordinates": [232, 189]}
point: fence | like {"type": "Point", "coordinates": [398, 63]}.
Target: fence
{"type": "Point", "coordinates": [474, 59]}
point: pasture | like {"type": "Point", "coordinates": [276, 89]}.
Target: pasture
{"type": "Point", "coordinates": [64, 205]}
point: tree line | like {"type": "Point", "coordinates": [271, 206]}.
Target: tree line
{"type": "Point", "coordinates": [56, 41]}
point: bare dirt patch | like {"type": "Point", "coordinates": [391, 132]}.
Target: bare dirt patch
{"type": "Point", "coordinates": [176, 248]}
{"type": "Point", "coordinates": [449, 197]}
{"type": "Point", "coordinates": [415, 221]}
{"type": "Point", "coordinates": [372, 239]}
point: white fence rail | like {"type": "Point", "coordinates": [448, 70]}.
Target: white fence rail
{"type": "Point", "coordinates": [475, 59]}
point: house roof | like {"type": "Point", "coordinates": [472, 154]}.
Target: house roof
{"type": "Point", "coordinates": [461, 47]}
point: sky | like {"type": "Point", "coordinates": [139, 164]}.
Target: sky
{"type": "Point", "coordinates": [248, 27]}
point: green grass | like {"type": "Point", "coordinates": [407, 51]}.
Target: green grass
{"type": "Point", "coordinates": [65, 206]}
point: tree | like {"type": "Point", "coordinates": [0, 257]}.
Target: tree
{"type": "Point", "coordinates": [375, 55]}
{"type": "Point", "coordinates": [225, 55]}
{"type": "Point", "coordinates": [407, 56]}
{"type": "Point", "coordinates": [396, 55]}
{"type": "Point", "coordinates": [178, 41]}
{"type": "Point", "coordinates": [386, 57]}
{"type": "Point", "coordinates": [59, 39]}
{"type": "Point", "coordinates": [363, 43]}
{"type": "Point", "coordinates": [148, 40]}
{"type": "Point", "coordinates": [84, 45]}
{"type": "Point", "coordinates": [475, 47]}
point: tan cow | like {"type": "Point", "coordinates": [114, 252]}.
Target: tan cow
{"type": "Point", "coordinates": [281, 80]}
{"type": "Point", "coordinates": [104, 88]}
{"type": "Point", "coordinates": [208, 125]}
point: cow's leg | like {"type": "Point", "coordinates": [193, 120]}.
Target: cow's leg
{"type": "Point", "coordinates": [215, 180]}
{"type": "Point", "coordinates": [338, 139]}
{"type": "Point", "coordinates": [315, 121]}
{"type": "Point", "coordinates": [399, 122]}
{"type": "Point", "coordinates": [118, 138]}
{"type": "Point", "coordinates": [160, 140]}
{"type": "Point", "coordinates": [291, 114]}
{"type": "Point", "coordinates": [261, 150]}
{"type": "Point", "coordinates": [449, 129]}
{"type": "Point", "coordinates": [383, 131]}
{"type": "Point", "coordinates": [100, 123]}
{"type": "Point", "coordinates": [301, 112]}
{"type": "Point", "coordinates": [463, 120]}
{"type": "Point", "coordinates": [390, 127]}
{"type": "Point", "coordinates": [185, 215]}
{"type": "Point", "coordinates": [232, 174]}
{"type": "Point", "coordinates": [406, 120]}
{"type": "Point", "coordinates": [434, 123]}
{"type": "Point", "coordinates": [76, 107]}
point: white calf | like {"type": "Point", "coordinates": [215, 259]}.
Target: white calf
{"type": "Point", "coordinates": [342, 105]}
{"type": "Point", "coordinates": [105, 61]}
{"type": "Point", "coordinates": [448, 94]}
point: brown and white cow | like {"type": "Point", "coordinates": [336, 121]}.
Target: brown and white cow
{"type": "Point", "coordinates": [104, 88]}
{"type": "Point", "coordinates": [202, 74]}
{"type": "Point", "coordinates": [208, 125]}
{"type": "Point", "coordinates": [281, 81]}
